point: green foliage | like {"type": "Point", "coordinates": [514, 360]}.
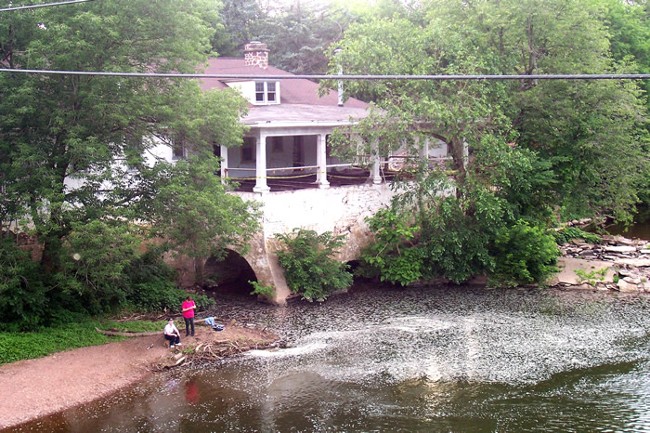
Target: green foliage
{"type": "Point", "coordinates": [310, 270]}
{"type": "Point", "coordinates": [17, 346]}
{"type": "Point", "coordinates": [566, 234]}
{"type": "Point", "coordinates": [74, 332]}
{"type": "Point", "coordinates": [591, 277]}
{"type": "Point", "coordinates": [194, 213]}
{"type": "Point", "coordinates": [23, 297]}
{"type": "Point", "coordinates": [580, 147]}
{"type": "Point", "coordinates": [524, 254]}
{"type": "Point", "coordinates": [261, 289]}
{"type": "Point", "coordinates": [392, 255]}
{"type": "Point", "coordinates": [75, 151]}
{"type": "Point", "coordinates": [95, 257]}
{"type": "Point", "coordinates": [457, 242]}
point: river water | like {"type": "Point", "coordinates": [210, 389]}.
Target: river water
{"type": "Point", "coordinates": [429, 359]}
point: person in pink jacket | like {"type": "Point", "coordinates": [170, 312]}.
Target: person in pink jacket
{"type": "Point", "coordinates": [188, 308]}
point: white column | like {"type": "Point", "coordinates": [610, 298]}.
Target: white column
{"type": "Point", "coordinates": [260, 164]}
{"type": "Point", "coordinates": [224, 163]}
{"type": "Point", "coordinates": [424, 150]}
{"type": "Point", "coordinates": [321, 161]}
{"type": "Point", "coordinates": [375, 173]}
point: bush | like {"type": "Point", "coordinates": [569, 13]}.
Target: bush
{"type": "Point", "coordinates": [308, 264]}
{"type": "Point", "coordinates": [95, 257]}
{"type": "Point", "coordinates": [23, 295]}
{"type": "Point", "coordinates": [524, 254]}
{"type": "Point", "coordinates": [392, 256]}
{"type": "Point", "coordinates": [566, 234]}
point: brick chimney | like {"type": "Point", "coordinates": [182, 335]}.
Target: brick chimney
{"type": "Point", "coordinates": [256, 54]}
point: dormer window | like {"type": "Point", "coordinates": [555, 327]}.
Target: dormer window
{"type": "Point", "coordinates": [266, 92]}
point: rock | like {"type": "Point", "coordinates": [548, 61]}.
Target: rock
{"type": "Point", "coordinates": [632, 280]}
{"type": "Point", "coordinates": [624, 286]}
{"type": "Point", "coordinates": [638, 263]}
{"type": "Point", "coordinates": [620, 249]}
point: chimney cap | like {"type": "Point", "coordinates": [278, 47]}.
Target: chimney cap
{"type": "Point", "coordinates": [256, 46]}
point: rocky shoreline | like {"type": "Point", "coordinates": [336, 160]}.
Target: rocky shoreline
{"type": "Point", "coordinates": [617, 264]}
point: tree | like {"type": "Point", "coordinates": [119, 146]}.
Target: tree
{"type": "Point", "coordinates": [195, 215]}
{"type": "Point", "coordinates": [75, 149]}
{"type": "Point", "coordinates": [536, 149]}
{"type": "Point", "coordinates": [240, 24]}
{"type": "Point", "coordinates": [577, 126]}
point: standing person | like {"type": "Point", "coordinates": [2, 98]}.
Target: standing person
{"type": "Point", "coordinates": [172, 334]}
{"type": "Point", "coordinates": [188, 314]}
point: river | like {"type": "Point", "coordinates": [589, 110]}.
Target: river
{"type": "Point", "coordinates": [429, 359]}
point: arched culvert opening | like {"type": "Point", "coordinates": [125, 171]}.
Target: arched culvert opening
{"type": "Point", "coordinates": [361, 279]}
{"type": "Point", "coordinates": [229, 276]}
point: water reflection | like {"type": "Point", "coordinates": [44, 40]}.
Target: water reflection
{"type": "Point", "coordinates": [429, 360]}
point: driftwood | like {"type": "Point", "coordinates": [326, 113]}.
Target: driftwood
{"type": "Point", "coordinates": [205, 352]}
{"type": "Point", "coordinates": [127, 334]}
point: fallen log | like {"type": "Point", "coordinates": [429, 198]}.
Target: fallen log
{"type": "Point", "coordinates": [126, 334]}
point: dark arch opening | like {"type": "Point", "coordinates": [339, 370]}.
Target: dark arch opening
{"type": "Point", "coordinates": [229, 276]}
{"type": "Point", "coordinates": [360, 281]}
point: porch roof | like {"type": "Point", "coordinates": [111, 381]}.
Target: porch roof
{"type": "Point", "coordinates": [302, 115]}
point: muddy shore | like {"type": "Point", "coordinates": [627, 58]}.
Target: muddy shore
{"type": "Point", "coordinates": [39, 387]}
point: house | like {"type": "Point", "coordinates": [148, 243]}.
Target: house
{"type": "Point", "coordinates": [284, 164]}
{"type": "Point", "coordinates": [289, 123]}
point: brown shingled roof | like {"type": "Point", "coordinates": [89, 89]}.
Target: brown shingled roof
{"type": "Point", "coordinates": [294, 91]}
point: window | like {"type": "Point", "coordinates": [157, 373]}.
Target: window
{"type": "Point", "coordinates": [270, 92]}
{"type": "Point", "coordinates": [259, 92]}
{"type": "Point", "coordinates": [266, 92]}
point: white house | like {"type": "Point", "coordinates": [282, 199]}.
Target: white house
{"type": "Point", "coordinates": [284, 163]}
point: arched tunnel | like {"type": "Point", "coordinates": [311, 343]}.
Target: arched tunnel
{"type": "Point", "coordinates": [230, 275]}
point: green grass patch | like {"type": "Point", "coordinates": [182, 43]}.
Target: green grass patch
{"type": "Point", "coordinates": [15, 346]}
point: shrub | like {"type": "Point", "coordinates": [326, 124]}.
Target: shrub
{"type": "Point", "coordinates": [392, 256]}
{"type": "Point", "coordinates": [261, 289]}
{"type": "Point", "coordinates": [308, 264]}
{"type": "Point", "coordinates": [95, 257]}
{"type": "Point", "coordinates": [566, 234]}
{"type": "Point", "coordinates": [23, 295]}
{"type": "Point", "coordinates": [524, 254]}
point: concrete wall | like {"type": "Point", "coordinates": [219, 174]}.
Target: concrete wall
{"type": "Point", "coordinates": [341, 211]}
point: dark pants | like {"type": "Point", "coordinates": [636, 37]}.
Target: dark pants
{"type": "Point", "coordinates": [189, 323]}
{"type": "Point", "coordinates": [173, 339]}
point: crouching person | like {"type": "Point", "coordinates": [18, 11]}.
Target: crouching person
{"type": "Point", "coordinates": [172, 334]}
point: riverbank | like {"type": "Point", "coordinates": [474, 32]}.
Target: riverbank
{"type": "Point", "coordinates": [39, 387]}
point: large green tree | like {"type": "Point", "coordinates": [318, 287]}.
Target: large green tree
{"type": "Point", "coordinates": [537, 149]}
{"type": "Point", "coordinates": [75, 149]}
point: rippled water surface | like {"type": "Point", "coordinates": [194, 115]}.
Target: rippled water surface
{"type": "Point", "coordinates": [417, 360]}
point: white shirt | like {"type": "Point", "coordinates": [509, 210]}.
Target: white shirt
{"type": "Point", "coordinates": [170, 329]}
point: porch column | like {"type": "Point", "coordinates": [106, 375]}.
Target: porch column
{"type": "Point", "coordinates": [224, 163]}
{"type": "Point", "coordinates": [260, 164]}
{"type": "Point", "coordinates": [321, 161]}
{"type": "Point", "coordinates": [424, 151]}
{"type": "Point", "coordinates": [375, 173]}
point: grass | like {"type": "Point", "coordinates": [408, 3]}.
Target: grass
{"type": "Point", "coordinates": [16, 346]}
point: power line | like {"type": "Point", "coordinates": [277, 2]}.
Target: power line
{"type": "Point", "coordinates": [43, 5]}
{"type": "Point", "coordinates": [477, 77]}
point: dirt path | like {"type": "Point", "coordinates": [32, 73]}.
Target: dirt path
{"type": "Point", "coordinates": [38, 387]}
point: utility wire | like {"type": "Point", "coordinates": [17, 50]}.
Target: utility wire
{"type": "Point", "coordinates": [43, 5]}
{"type": "Point", "coordinates": [478, 77]}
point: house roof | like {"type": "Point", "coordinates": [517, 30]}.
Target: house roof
{"type": "Point", "coordinates": [300, 102]}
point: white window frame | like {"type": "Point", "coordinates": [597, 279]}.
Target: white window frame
{"type": "Point", "coordinates": [264, 92]}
